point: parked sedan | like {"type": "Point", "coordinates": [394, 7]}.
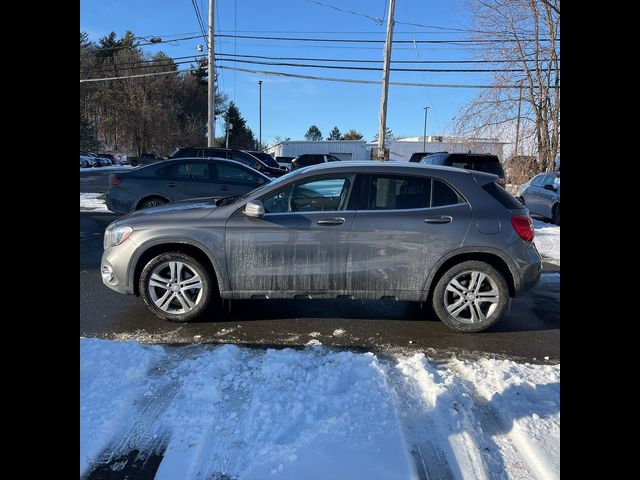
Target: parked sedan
{"type": "Point", "coordinates": [359, 230]}
{"type": "Point", "coordinates": [237, 155]}
{"type": "Point", "coordinates": [172, 180]}
{"type": "Point", "coordinates": [541, 195]}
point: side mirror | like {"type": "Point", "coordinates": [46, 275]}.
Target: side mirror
{"type": "Point", "coordinates": [254, 208]}
{"type": "Point", "coordinates": [549, 187]}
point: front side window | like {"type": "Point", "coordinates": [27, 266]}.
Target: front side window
{"type": "Point", "coordinates": [323, 195]}
{"type": "Point", "coordinates": [548, 180]}
{"type": "Point", "coordinates": [389, 193]}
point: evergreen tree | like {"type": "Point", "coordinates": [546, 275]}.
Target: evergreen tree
{"type": "Point", "coordinates": [388, 136]}
{"type": "Point", "coordinates": [313, 134]}
{"type": "Point", "coordinates": [335, 134]}
{"type": "Point", "coordinates": [241, 136]}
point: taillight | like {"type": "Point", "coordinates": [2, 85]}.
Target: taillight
{"type": "Point", "coordinates": [523, 226]}
{"type": "Point", "coordinates": [116, 180]}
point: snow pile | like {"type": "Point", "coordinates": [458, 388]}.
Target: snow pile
{"type": "Point", "coordinates": [112, 375]}
{"type": "Point", "coordinates": [235, 412]}
{"type": "Point", "coordinates": [547, 240]}
{"type": "Point", "coordinates": [93, 202]}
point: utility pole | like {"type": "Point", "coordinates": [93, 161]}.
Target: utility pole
{"type": "Point", "coordinates": [424, 135]}
{"type": "Point", "coordinates": [211, 97]}
{"type": "Point", "coordinates": [382, 128]}
{"type": "Point", "coordinates": [260, 110]}
{"type": "Point", "coordinates": [518, 120]}
{"type": "Point", "coordinates": [228, 126]}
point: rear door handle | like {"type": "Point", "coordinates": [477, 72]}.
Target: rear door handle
{"type": "Point", "coordinates": [170, 184]}
{"type": "Point", "coordinates": [224, 188]}
{"type": "Point", "coordinates": [331, 221]}
{"type": "Point", "coordinates": [438, 220]}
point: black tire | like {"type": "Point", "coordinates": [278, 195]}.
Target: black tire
{"type": "Point", "coordinates": [556, 215]}
{"type": "Point", "coordinates": [208, 291]}
{"type": "Point", "coordinates": [150, 202]}
{"type": "Point", "coordinates": [497, 312]}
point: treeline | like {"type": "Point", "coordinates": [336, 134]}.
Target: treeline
{"type": "Point", "coordinates": [148, 114]}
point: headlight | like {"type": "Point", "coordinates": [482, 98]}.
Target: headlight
{"type": "Point", "coordinates": [116, 235]}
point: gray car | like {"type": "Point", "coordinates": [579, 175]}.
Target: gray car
{"type": "Point", "coordinates": [541, 195]}
{"type": "Point", "coordinates": [180, 179]}
{"type": "Point", "coordinates": [359, 230]}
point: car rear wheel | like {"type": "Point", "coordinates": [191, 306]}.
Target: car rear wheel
{"type": "Point", "coordinates": [151, 202]}
{"type": "Point", "coordinates": [471, 296]}
{"type": "Point", "coordinates": [176, 287]}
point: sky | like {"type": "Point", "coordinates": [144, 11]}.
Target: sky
{"type": "Point", "coordinates": [290, 105]}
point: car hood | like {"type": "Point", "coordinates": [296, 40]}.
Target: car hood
{"type": "Point", "coordinates": [191, 209]}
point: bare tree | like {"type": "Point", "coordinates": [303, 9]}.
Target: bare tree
{"type": "Point", "coordinates": [523, 36]}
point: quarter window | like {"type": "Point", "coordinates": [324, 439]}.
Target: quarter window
{"type": "Point", "coordinates": [443, 194]}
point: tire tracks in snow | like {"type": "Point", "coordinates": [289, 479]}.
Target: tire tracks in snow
{"type": "Point", "coordinates": [520, 451]}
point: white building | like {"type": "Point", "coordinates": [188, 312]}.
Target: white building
{"type": "Point", "coordinates": [402, 148]}
{"type": "Point", "coordinates": [343, 149]}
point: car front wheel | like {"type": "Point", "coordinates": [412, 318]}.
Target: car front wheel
{"type": "Point", "coordinates": [471, 296]}
{"type": "Point", "coordinates": [176, 287]}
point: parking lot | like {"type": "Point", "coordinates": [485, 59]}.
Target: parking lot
{"type": "Point", "coordinates": [530, 331]}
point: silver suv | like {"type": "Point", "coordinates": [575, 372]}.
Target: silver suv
{"type": "Point", "coordinates": [359, 230]}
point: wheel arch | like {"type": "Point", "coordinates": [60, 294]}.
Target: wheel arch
{"type": "Point", "coordinates": [493, 257]}
{"type": "Point", "coordinates": [142, 198]}
{"type": "Point", "coordinates": [153, 249]}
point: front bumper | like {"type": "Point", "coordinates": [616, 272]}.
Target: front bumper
{"type": "Point", "coordinates": [114, 267]}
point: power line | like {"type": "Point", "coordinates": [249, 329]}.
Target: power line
{"type": "Point", "coordinates": [361, 40]}
{"type": "Point", "coordinates": [370, 82]}
{"type": "Point", "coordinates": [309, 77]}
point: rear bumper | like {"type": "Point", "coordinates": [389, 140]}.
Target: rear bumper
{"type": "Point", "coordinates": [528, 264]}
{"type": "Point", "coordinates": [117, 205]}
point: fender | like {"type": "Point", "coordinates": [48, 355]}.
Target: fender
{"type": "Point", "coordinates": [470, 250]}
{"type": "Point", "coordinates": [142, 248]}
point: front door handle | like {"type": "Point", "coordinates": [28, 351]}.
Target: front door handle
{"type": "Point", "coordinates": [331, 221]}
{"type": "Point", "coordinates": [224, 188]}
{"type": "Point", "coordinates": [438, 220]}
{"type": "Point", "coordinates": [170, 185]}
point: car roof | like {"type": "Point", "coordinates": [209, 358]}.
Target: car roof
{"type": "Point", "coordinates": [386, 166]}
{"type": "Point", "coordinates": [200, 159]}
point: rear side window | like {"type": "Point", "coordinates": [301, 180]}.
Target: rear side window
{"type": "Point", "coordinates": [233, 173]}
{"type": "Point", "coordinates": [537, 182]}
{"type": "Point", "coordinates": [502, 196]}
{"type": "Point", "coordinates": [389, 193]}
{"type": "Point", "coordinates": [191, 170]}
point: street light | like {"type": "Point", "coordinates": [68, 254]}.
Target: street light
{"type": "Point", "coordinates": [260, 113]}
{"type": "Point", "coordinates": [424, 135]}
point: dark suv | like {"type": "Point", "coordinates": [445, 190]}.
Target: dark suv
{"type": "Point", "coordinates": [237, 155]}
{"type": "Point", "coordinates": [481, 162]}
{"type": "Point", "coordinates": [311, 159]}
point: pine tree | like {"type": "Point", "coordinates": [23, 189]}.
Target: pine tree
{"type": "Point", "coordinates": [388, 136]}
{"type": "Point", "coordinates": [313, 134]}
{"type": "Point", "coordinates": [241, 136]}
{"type": "Point", "coordinates": [335, 134]}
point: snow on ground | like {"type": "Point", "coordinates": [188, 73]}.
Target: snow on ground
{"type": "Point", "coordinates": [547, 240]}
{"type": "Point", "coordinates": [239, 413]}
{"type": "Point", "coordinates": [113, 168]}
{"type": "Point", "coordinates": [93, 202]}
